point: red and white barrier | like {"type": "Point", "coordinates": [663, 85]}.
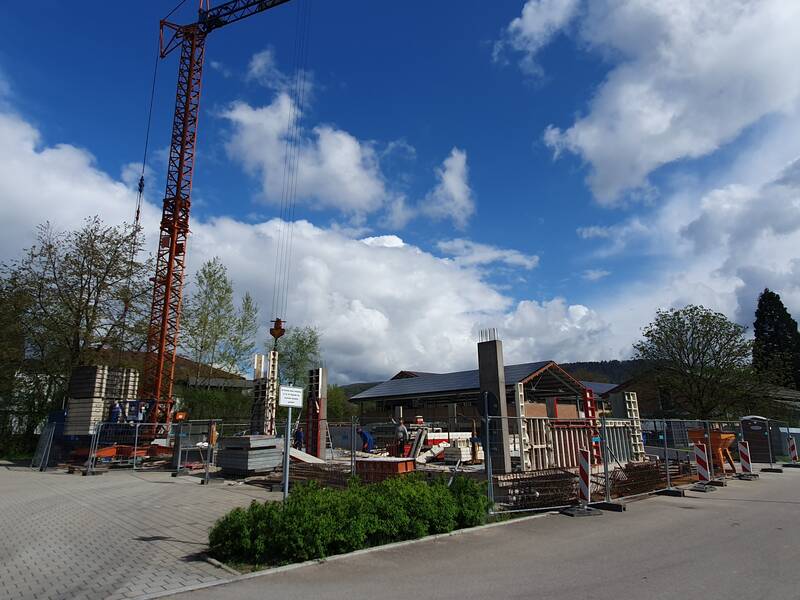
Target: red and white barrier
{"type": "Point", "coordinates": [701, 458]}
{"type": "Point", "coordinates": [793, 448]}
{"type": "Point", "coordinates": [585, 468]}
{"type": "Point", "coordinates": [744, 457]}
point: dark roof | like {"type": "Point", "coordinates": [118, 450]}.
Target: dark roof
{"type": "Point", "coordinates": [597, 387]}
{"type": "Point", "coordinates": [432, 383]}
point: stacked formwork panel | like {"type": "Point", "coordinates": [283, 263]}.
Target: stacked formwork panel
{"type": "Point", "coordinates": [91, 392]}
{"type": "Point", "coordinates": [265, 395]}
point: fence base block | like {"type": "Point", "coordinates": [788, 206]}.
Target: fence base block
{"type": "Point", "coordinates": [718, 482]}
{"type": "Point", "coordinates": [791, 465]}
{"type": "Point", "coordinates": [673, 492]}
{"type": "Point", "coordinates": [747, 476]}
{"type": "Point", "coordinates": [581, 511]}
{"type": "Point", "coordinates": [772, 470]}
{"type": "Point", "coordinates": [612, 506]}
{"type": "Point", "coordinates": [703, 487]}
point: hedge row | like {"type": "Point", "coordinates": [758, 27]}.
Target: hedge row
{"type": "Point", "coordinates": [316, 522]}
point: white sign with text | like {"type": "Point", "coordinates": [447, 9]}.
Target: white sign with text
{"type": "Point", "coordinates": [291, 397]}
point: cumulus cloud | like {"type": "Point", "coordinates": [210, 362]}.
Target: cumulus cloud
{"type": "Point", "coordinates": [380, 303]}
{"type": "Point", "coordinates": [334, 168]}
{"type": "Point", "coordinates": [539, 22]}
{"type": "Point", "coordinates": [469, 253]}
{"type": "Point", "coordinates": [687, 78]}
{"type": "Point", "coordinates": [451, 198]}
{"type": "Point", "coordinates": [60, 183]}
{"type": "Point", "coordinates": [263, 68]}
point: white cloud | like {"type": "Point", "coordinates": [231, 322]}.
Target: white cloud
{"type": "Point", "coordinates": [220, 68]}
{"type": "Point", "coordinates": [59, 183]}
{"type": "Point", "coordinates": [334, 169]}
{"type": "Point", "coordinates": [595, 274]}
{"type": "Point", "coordinates": [381, 304]}
{"type": "Point", "coordinates": [539, 22]}
{"type": "Point", "coordinates": [687, 78]}
{"type": "Point", "coordinates": [451, 198]}
{"type": "Point", "coordinates": [263, 68]}
{"type": "Point", "coordinates": [470, 254]}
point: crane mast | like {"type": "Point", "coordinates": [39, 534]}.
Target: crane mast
{"type": "Point", "coordinates": [165, 312]}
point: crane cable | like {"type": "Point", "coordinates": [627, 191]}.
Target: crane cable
{"type": "Point", "coordinates": [138, 213]}
{"type": "Point", "coordinates": [292, 149]}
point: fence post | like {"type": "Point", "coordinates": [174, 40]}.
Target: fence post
{"type": "Point", "coordinates": [605, 457]}
{"type": "Point", "coordinates": [135, 443]}
{"type": "Point", "coordinates": [286, 450]}
{"type": "Point", "coordinates": [666, 456]}
{"type": "Point", "coordinates": [487, 454]}
{"type": "Point", "coordinates": [352, 446]}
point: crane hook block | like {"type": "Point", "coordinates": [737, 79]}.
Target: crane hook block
{"type": "Point", "coordinates": [277, 330]}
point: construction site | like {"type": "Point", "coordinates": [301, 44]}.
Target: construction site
{"type": "Point", "coordinates": [536, 438]}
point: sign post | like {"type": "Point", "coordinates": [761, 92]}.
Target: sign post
{"type": "Point", "coordinates": [290, 397]}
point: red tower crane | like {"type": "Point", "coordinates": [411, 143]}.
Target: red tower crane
{"type": "Point", "coordinates": [165, 312]}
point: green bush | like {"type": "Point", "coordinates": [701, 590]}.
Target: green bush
{"type": "Point", "coordinates": [471, 501]}
{"type": "Point", "coordinates": [315, 522]}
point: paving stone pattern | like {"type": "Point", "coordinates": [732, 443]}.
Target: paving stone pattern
{"type": "Point", "coordinates": [117, 535]}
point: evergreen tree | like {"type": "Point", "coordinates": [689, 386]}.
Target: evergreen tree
{"type": "Point", "coordinates": [776, 350]}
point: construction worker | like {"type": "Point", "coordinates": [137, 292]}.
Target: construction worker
{"type": "Point", "coordinates": [367, 441]}
{"type": "Point", "coordinates": [299, 439]}
{"type": "Point", "coordinates": [401, 437]}
{"type": "Point", "coordinates": [116, 412]}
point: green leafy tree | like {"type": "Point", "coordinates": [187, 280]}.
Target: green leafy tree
{"type": "Point", "coordinates": [702, 357]}
{"type": "Point", "coordinates": [776, 349]}
{"type": "Point", "coordinates": [70, 294]}
{"type": "Point", "coordinates": [339, 407]}
{"type": "Point", "coordinates": [241, 339]}
{"type": "Point", "coordinates": [208, 315]}
{"type": "Point", "coordinates": [299, 352]}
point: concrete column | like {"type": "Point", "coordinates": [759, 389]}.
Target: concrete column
{"type": "Point", "coordinates": [492, 379]}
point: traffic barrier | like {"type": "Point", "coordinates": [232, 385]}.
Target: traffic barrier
{"type": "Point", "coordinates": [793, 448]}
{"type": "Point", "coordinates": [744, 457]}
{"type": "Point", "coordinates": [747, 463]}
{"type": "Point", "coordinates": [584, 487]}
{"type": "Point", "coordinates": [584, 493]}
{"type": "Point", "coordinates": [703, 478]}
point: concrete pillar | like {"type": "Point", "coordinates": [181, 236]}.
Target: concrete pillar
{"type": "Point", "coordinates": [492, 379]}
{"type": "Point", "coordinates": [317, 413]}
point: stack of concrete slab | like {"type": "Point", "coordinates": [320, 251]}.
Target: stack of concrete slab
{"type": "Point", "coordinates": [87, 404]}
{"type": "Point", "coordinates": [248, 454]}
{"type": "Point", "coordinates": [92, 390]}
{"type": "Point", "coordinates": [122, 384]}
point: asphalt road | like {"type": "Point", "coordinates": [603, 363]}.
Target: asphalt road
{"type": "Point", "coordinates": [742, 541]}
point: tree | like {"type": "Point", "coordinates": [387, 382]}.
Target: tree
{"type": "Point", "coordinates": [299, 352]}
{"type": "Point", "coordinates": [208, 314]}
{"type": "Point", "coordinates": [68, 295]}
{"type": "Point", "coordinates": [701, 357]}
{"type": "Point", "coordinates": [241, 340]}
{"type": "Point", "coordinates": [78, 291]}
{"type": "Point", "coordinates": [776, 349]}
{"type": "Point", "coordinates": [339, 407]}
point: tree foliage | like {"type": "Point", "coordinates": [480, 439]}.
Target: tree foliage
{"type": "Point", "coordinates": [776, 349]}
{"type": "Point", "coordinates": [701, 357]}
{"type": "Point", "coordinates": [215, 333]}
{"type": "Point", "coordinates": [71, 293]}
{"type": "Point", "coordinates": [339, 407]}
{"type": "Point", "coordinates": [299, 351]}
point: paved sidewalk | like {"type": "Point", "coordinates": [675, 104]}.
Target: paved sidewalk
{"type": "Point", "coordinates": [117, 535]}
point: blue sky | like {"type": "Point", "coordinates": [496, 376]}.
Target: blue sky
{"type": "Point", "coordinates": [566, 168]}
